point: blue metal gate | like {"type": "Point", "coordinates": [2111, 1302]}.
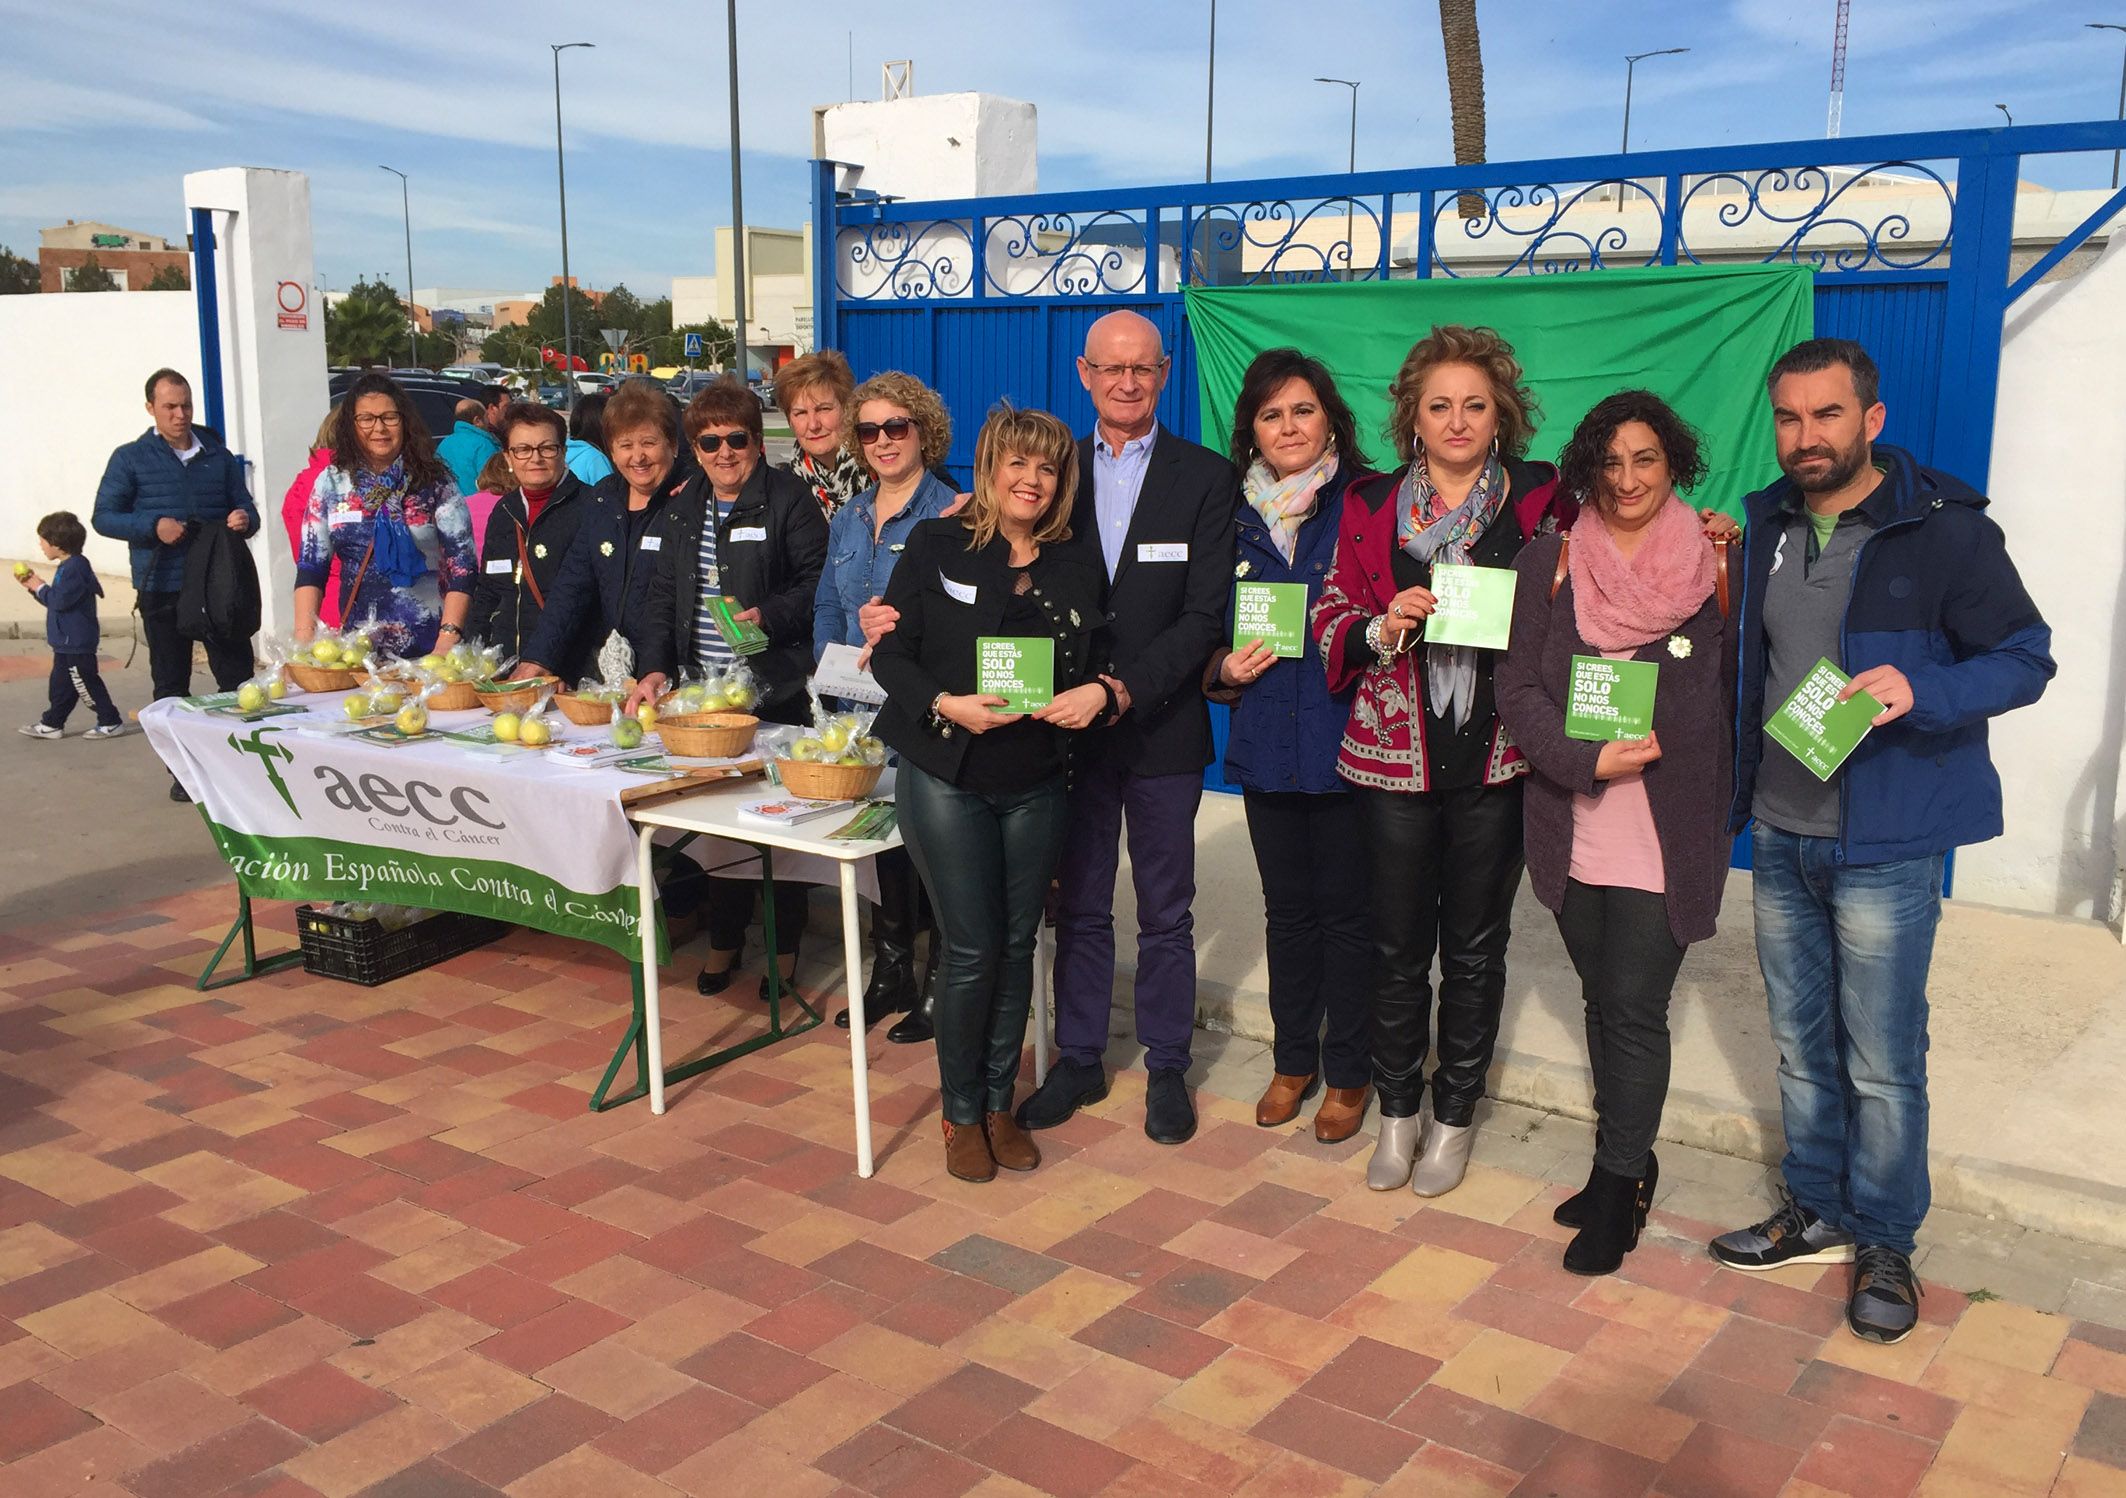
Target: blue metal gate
{"type": "Point", "coordinates": [1911, 237]}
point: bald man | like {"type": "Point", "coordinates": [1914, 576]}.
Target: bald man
{"type": "Point", "coordinates": [1156, 512]}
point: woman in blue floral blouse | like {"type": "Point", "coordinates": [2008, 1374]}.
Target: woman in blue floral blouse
{"type": "Point", "coordinates": [388, 511]}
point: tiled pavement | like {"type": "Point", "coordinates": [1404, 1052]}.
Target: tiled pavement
{"type": "Point", "coordinates": [298, 1237]}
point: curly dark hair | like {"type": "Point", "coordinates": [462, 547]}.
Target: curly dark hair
{"type": "Point", "coordinates": [415, 445]}
{"type": "Point", "coordinates": [1580, 464]}
{"type": "Point", "coordinates": [1265, 377]}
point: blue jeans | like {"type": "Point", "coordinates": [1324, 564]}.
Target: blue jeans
{"type": "Point", "coordinates": [1845, 951]}
{"type": "Point", "coordinates": [987, 861]}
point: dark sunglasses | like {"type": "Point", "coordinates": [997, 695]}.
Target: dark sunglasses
{"type": "Point", "coordinates": [868, 432]}
{"type": "Point", "coordinates": [709, 442]}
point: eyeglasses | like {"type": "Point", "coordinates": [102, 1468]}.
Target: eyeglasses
{"type": "Point", "coordinates": [369, 422]}
{"type": "Point", "coordinates": [543, 450]}
{"type": "Point", "coordinates": [868, 432]}
{"type": "Point", "coordinates": [738, 442]}
{"type": "Point", "coordinates": [1143, 372]}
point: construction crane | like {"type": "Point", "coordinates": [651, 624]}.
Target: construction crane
{"type": "Point", "coordinates": [1845, 13]}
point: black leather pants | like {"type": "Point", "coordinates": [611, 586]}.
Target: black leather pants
{"type": "Point", "coordinates": [1445, 866]}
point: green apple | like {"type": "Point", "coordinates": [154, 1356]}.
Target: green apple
{"type": "Point", "coordinates": [413, 720]}
{"type": "Point", "coordinates": [325, 652]}
{"type": "Point", "coordinates": [250, 697]}
{"type": "Point", "coordinates": [646, 715]}
{"type": "Point", "coordinates": [741, 696]}
{"type": "Point", "coordinates": [356, 705]}
{"type": "Point", "coordinates": [384, 704]}
{"type": "Point", "coordinates": [276, 689]}
{"type": "Point", "coordinates": [22, 570]}
{"type": "Point", "coordinates": [627, 733]}
{"type": "Point", "coordinates": [871, 748]}
{"type": "Point", "coordinates": [850, 759]}
{"type": "Point", "coordinates": [506, 727]}
{"type": "Point", "coordinates": [534, 731]}
{"type": "Point", "coordinates": [809, 749]}
{"type": "Point", "coordinates": [834, 738]}
{"type": "Point", "coordinates": [431, 663]}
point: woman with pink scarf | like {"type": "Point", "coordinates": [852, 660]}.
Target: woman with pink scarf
{"type": "Point", "coordinates": [1626, 838]}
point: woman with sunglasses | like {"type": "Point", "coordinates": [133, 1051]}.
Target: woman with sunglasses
{"type": "Point", "coordinates": [753, 535]}
{"type": "Point", "coordinates": [900, 431]}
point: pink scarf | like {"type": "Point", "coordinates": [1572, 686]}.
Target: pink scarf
{"type": "Point", "coordinates": [1620, 604]}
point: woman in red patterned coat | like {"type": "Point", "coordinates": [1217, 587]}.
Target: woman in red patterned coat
{"type": "Point", "coordinates": [1438, 776]}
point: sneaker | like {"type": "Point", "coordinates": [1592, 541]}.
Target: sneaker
{"type": "Point", "coordinates": [1885, 1302]}
{"type": "Point", "coordinates": [1791, 1235]}
{"type": "Point", "coordinates": [42, 731]}
{"type": "Point", "coordinates": [106, 731]}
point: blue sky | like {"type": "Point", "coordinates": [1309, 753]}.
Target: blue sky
{"type": "Point", "coordinates": [105, 104]}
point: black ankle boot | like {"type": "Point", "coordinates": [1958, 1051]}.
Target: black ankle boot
{"type": "Point", "coordinates": [1572, 1212]}
{"type": "Point", "coordinates": [1616, 1208]}
{"type": "Point", "coordinates": [892, 986]}
{"type": "Point", "coordinates": [916, 1026]}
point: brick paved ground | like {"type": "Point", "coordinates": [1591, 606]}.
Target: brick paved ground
{"type": "Point", "coordinates": [299, 1237]}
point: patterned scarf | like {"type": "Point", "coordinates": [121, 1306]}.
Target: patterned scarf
{"type": "Point", "coordinates": [1432, 533]}
{"type": "Point", "coordinates": [833, 484]}
{"type": "Point", "coordinates": [1286, 504]}
{"type": "Point", "coordinates": [382, 496]}
{"type": "Point", "coordinates": [1621, 603]}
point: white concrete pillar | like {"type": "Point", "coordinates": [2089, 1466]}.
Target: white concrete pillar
{"type": "Point", "coordinates": [272, 347]}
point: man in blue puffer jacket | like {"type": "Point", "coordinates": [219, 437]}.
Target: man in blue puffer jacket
{"type": "Point", "coordinates": [1893, 573]}
{"type": "Point", "coordinates": [157, 491]}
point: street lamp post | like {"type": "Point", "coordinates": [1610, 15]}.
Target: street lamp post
{"type": "Point", "coordinates": [2114, 26]}
{"type": "Point", "coordinates": [738, 212]}
{"type": "Point", "coordinates": [1210, 92]}
{"type": "Point", "coordinates": [568, 330]}
{"type": "Point", "coordinates": [1631, 63]}
{"type": "Point", "coordinates": [2005, 115]}
{"type": "Point", "coordinates": [1350, 163]}
{"type": "Point", "coordinates": [413, 329]}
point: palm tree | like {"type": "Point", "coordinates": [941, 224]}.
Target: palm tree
{"type": "Point", "coordinates": [1465, 89]}
{"type": "Point", "coordinates": [359, 330]}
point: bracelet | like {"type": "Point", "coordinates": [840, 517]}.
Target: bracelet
{"type": "Point", "coordinates": [1377, 635]}
{"type": "Point", "coordinates": [450, 629]}
{"type": "Point", "coordinates": [938, 720]}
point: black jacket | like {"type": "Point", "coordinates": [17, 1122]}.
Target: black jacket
{"type": "Point", "coordinates": [507, 599]}
{"type": "Point", "coordinates": [1165, 617]}
{"type": "Point", "coordinates": [218, 599]}
{"type": "Point", "coordinates": [770, 549]}
{"type": "Point", "coordinates": [604, 583]}
{"type": "Point", "coordinates": [931, 649]}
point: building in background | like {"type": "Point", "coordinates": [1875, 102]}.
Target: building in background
{"type": "Point", "coordinates": [778, 294]}
{"type": "Point", "coordinates": [131, 257]}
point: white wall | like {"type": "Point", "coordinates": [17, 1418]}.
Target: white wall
{"type": "Point", "coordinates": [70, 391]}
{"type": "Point", "coordinates": [2059, 493]}
{"type": "Point", "coordinates": [932, 146]}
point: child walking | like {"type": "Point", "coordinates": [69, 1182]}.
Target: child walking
{"type": "Point", "coordinates": [70, 629]}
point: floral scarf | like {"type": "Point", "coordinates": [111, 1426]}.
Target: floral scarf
{"type": "Point", "coordinates": [382, 496]}
{"type": "Point", "coordinates": [1432, 533]}
{"type": "Point", "coordinates": [832, 484]}
{"type": "Point", "coordinates": [1286, 504]}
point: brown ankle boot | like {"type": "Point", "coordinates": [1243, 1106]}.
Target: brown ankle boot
{"type": "Point", "coordinates": [1342, 1110]}
{"type": "Point", "coordinates": [967, 1152]}
{"type": "Point", "coordinates": [1281, 1100]}
{"type": "Point", "coordinates": [1008, 1143]}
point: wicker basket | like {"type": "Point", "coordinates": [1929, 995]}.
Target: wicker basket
{"type": "Point", "coordinates": [319, 678]}
{"type": "Point", "coordinates": [818, 782]}
{"type": "Point", "coordinates": [707, 735]}
{"type": "Point", "coordinates": [454, 697]}
{"type": "Point", "coordinates": [515, 696]}
{"type": "Point", "coordinates": [584, 713]}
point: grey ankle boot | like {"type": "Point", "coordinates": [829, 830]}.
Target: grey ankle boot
{"type": "Point", "coordinates": [1390, 1166]}
{"type": "Point", "coordinates": [1446, 1158]}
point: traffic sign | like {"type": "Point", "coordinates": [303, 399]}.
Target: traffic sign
{"type": "Point", "coordinates": [693, 345]}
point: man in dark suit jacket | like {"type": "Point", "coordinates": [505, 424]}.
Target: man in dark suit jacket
{"type": "Point", "coordinates": [1156, 513]}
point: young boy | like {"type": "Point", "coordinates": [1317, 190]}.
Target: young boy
{"type": "Point", "coordinates": [70, 630]}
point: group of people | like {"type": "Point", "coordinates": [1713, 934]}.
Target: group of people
{"type": "Point", "coordinates": [1395, 790]}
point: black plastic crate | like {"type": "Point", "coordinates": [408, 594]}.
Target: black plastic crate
{"type": "Point", "coordinates": [362, 951]}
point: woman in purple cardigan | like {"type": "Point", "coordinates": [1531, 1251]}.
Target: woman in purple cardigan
{"type": "Point", "coordinates": [1626, 838]}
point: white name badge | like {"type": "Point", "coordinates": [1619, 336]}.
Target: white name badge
{"type": "Point", "coordinates": [653, 543]}
{"type": "Point", "coordinates": [749, 533]}
{"type": "Point", "coordinates": [963, 592]}
{"type": "Point", "coordinates": [346, 516]}
{"type": "Point", "coordinates": [1163, 551]}
{"type": "Point", "coordinates": [500, 567]}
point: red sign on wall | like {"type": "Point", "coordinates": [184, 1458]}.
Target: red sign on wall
{"type": "Point", "coordinates": [294, 300]}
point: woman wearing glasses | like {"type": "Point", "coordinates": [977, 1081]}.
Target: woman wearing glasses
{"type": "Point", "coordinates": [389, 512]}
{"type": "Point", "coordinates": [753, 535]}
{"type": "Point", "coordinates": [532, 531]}
{"type": "Point", "coordinates": [900, 431]}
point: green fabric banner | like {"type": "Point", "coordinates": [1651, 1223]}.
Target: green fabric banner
{"type": "Point", "coordinates": [1701, 337]}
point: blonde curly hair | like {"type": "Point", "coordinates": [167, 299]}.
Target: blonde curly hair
{"type": "Point", "coordinates": [1483, 350]}
{"type": "Point", "coordinates": [921, 403]}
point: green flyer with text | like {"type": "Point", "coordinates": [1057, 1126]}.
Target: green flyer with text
{"type": "Point", "coordinates": [1610, 699]}
{"type": "Point", "coordinates": [1475, 606]}
{"type": "Point", "coordinates": [1274, 613]}
{"type": "Point", "coordinates": [1815, 727]}
{"type": "Point", "coordinates": [1019, 669]}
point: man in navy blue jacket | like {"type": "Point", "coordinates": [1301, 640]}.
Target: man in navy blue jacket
{"type": "Point", "coordinates": [1892, 573]}
{"type": "Point", "coordinates": [157, 491]}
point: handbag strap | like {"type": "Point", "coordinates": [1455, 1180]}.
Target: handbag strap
{"type": "Point", "coordinates": [361, 572]}
{"type": "Point", "coordinates": [524, 563]}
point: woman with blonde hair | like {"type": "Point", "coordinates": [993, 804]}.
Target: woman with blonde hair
{"type": "Point", "coordinates": [902, 430]}
{"type": "Point", "coordinates": [816, 393]}
{"type": "Point", "coordinates": [981, 790]}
